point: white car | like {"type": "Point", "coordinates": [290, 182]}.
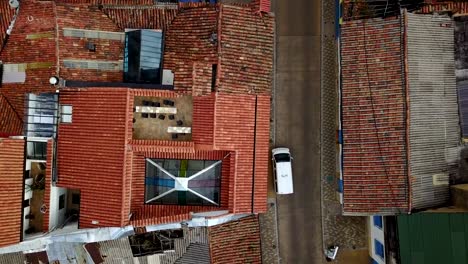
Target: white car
{"type": "Point", "coordinates": [282, 170]}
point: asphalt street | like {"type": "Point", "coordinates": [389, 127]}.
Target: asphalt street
{"type": "Point", "coordinates": [297, 126]}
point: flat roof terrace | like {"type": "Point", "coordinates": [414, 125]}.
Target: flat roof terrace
{"type": "Point", "coordinates": [163, 118]}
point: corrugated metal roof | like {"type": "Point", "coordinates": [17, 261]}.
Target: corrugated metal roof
{"type": "Point", "coordinates": [11, 193]}
{"type": "Point", "coordinates": [434, 129]}
{"type": "Point", "coordinates": [66, 252]}
{"type": "Point", "coordinates": [462, 87]}
{"type": "Point", "coordinates": [433, 238]}
{"type": "Point", "coordinates": [11, 258]}
{"type": "Point", "coordinates": [116, 251]}
{"type": "Point", "coordinates": [196, 253]}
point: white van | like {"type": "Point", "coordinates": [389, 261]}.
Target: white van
{"type": "Point", "coordinates": [282, 170]}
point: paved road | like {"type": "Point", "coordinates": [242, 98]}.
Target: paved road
{"type": "Point", "coordinates": [297, 126]}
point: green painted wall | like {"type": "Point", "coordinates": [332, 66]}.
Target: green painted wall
{"type": "Point", "coordinates": [427, 238]}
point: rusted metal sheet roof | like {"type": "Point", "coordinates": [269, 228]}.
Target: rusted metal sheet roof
{"type": "Point", "coordinates": [433, 113]}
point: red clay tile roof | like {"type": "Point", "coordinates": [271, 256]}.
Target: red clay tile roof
{"type": "Point", "coordinates": [73, 48]}
{"type": "Point", "coordinates": [92, 152]}
{"type": "Point", "coordinates": [108, 2]}
{"type": "Point", "coordinates": [11, 193]}
{"type": "Point", "coordinates": [6, 16]}
{"type": "Point", "coordinates": [246, 51]}
{"type": "Point", "coordinates": [187, 40]}
{"type": "Point", "coordinates": [374, 128]}
{"type": "Point", "coordinates": [457, 7]}
{"type": "Point", "coordinates": [203, 120]}
{"type": "Point", "coordinates": [11, 123]}
{"type": "Point", "coordinates": [235, 128]}
{"type": "Point", "coordinates": [97, 155]}
{"type": "Point", "coordinates": [152, 17]}
{"type": "Point", "coordinates": [236, 242]}
{"type": "Point", "coordinates": [31, 42]}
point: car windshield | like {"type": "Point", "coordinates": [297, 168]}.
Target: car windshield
{"type": "Point", "coordinates": [282, 157]}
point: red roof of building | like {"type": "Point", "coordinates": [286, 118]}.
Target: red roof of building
{"type": "Point", "coordinates": [11, 193]}
{"type": "Point", "coordinates": [246, 53]}
{"type": "Point", "coordinates": [375, 176]}
{"type": "Point", "coordinates": [135, 17]}
{"type": "Point", "coordinates": [32, 42]}
{"type": "Point", "coordinates": [97, 155]}
{"type": "Point", "coordinates": [236, 242]}
{"type": "Point", "coordinates": [6, 16]}
{"type": "Point", "coordinates": [11, 123]}
{"type": "Point", "coordinates": [95, 152]}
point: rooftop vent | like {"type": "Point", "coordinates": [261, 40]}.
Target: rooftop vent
{"type": "Point", "coordinates": [143, 56]}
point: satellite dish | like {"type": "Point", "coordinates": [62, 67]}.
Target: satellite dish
{"type": "Point", "coordinates": [13, 3]}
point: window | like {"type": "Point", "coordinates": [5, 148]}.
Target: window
{"type": "Point", "coordinates": [183, 182]}
{"type": "Point", "coordinates": [282, 158]}
{"type": "Point", "coordinates": [143, 56]}
{"type": "Point", "coordinates": [378, 221]}
{"type": "Point", "coordinates": [61, 201]}
{"type": "Point", "coordinates": [37, 150]}
{"type": "Point", "coordinates": [66, 114]}
{"type": "Point", "coordinates": [25, 203]}
{"type": "Point", "coordinates": [379, 249]}
{"type": "Point", "coordinates": [75, 198]}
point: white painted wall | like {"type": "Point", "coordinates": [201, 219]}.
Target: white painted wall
{"type": "Point", "coordinates": [376, 233]}
{"type": "Point", "coordinates": [27, 191]}
{"type": "Point", "coordinates": [26, 211]}
{"type": "Point", "coordinates": [56, 216]}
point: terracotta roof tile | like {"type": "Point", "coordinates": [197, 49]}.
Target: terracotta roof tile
{"type": "Point", "coordinates": [108, 2]}
{"type": "Point", "coordinates": [6, 16]}
{"type": "Point", "coordinates": [236, 242]}
{"type": "Point", "coordinates": [374, 166]}
{"type": "Point", "coordinates": [246, 51]}
{"type": "Point", "coordinates": [152, 17]}
{"type": "Point", "coordinates": [234, 129]}
{"type": "Point", "coordinates": [32, 42]}
{"type": "Point", "coordinates": [11, 123]}
{"type": "Point", "coordinates": [203, 119]}
{"type": "Point", "coordinates": [457, 7]}
{"type": "Point", "coordinates": [74, 48]}
{"type": "Point", "coordinates": [187, 40]}
{"type": "Point", "coordinates": [262, 148]}
{"type": "Point", "coordinates": [92, 150]}
{"type": "Point", "coordinates": [11, 193]}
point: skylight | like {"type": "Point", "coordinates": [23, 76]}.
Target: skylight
{"type": "Point", "coordinates": [183, 182]}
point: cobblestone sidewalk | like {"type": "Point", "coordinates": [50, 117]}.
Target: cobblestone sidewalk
{"type": "Point", "coordinates": [268, 234]}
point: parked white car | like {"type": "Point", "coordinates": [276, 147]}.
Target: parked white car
{"type": "Point", "coordinates": [282, 170]}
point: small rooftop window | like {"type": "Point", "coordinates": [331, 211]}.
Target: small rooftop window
{"type": "Point", "coordinates": [66, 113]}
